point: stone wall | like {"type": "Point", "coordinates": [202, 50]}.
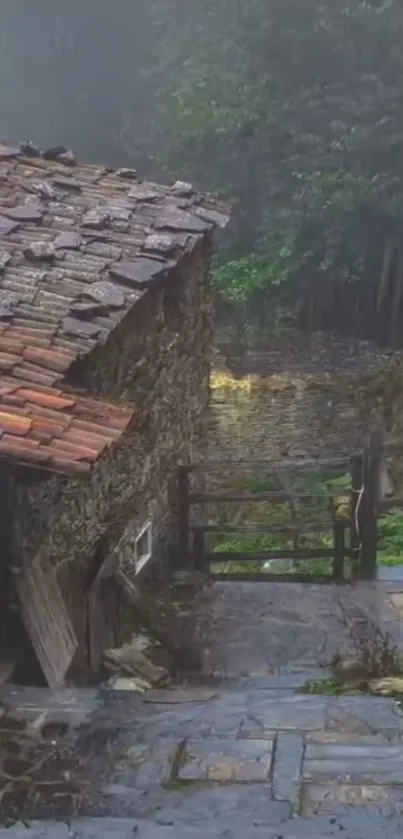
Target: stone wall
{"type": "Point", "coordinates": [157, 360]}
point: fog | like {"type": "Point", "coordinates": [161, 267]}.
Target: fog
{"type": "Point", "coordinates": [290, 107]}
{"type": "Point", "coordinates": [73, 72]}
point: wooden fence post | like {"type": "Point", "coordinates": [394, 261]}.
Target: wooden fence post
{"type": "Point", "coordinates": [369, 504]}
{"type": "Point", "coordinates": [183, 516]}
{"type": "Point", "coordinates": [357, 467]}
{"type": "Point", "coordinates": [338, 561]}
{"type": "Point", "coordinates": [198, 548]}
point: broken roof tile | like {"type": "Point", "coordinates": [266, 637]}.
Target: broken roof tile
{"type": "Point", "coordinates": [210, 214]}
{"type": "Point", "coordinates": [7, 225]}
{"type": "Point", "coordinates": [23, 212]}
{"type": "Point", "coordinates": [60, 154]}
{"type": "Point", "coordinates": [172, 218]}
{"type": "Point", "coordinates": [181, 188]}
{"type": "Point", "coordinates": [69, 240]}
{"type": "Point", "coordinates": [160, 243]}
{"type": "Point", "coordinates": [67, 183]}
{"type": "Point", "coordinates": [107, 293]}
{"type": "Point", "coordinates": [127, 174]}
{"type": "Point", "coordinates": [142, 192]}
{"type": "Point", "coordinates": [73, 326]}
{"type": "Point", "coordinates": [139, 272]}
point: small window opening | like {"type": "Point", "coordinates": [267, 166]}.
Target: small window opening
{"type": "Point", "coordinates": [143, 546]}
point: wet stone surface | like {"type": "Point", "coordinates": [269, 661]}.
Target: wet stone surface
{"type": "Point", "coordinates": [224, 761]}
{"type": "Point", "coordinates": [219, 757]}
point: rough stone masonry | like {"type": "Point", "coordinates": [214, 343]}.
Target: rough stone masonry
{"type": "Point", "coordinates": [105, 330]}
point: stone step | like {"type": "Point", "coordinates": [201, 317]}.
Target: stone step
{"type": "Point", "coordinates": [360, 826]}
{"type": "Point", "coordinates": [260, 680]}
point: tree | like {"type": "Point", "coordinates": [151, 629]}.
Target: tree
{"type": "Point", "coordinates": [293, 108]}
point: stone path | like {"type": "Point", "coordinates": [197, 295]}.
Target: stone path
{"type": "Point", "coordinates": [260, 627]}
{"type": "Point", "coordinates": [244, 754]}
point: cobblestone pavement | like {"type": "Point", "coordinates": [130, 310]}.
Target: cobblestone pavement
{"type": "Point", "coordinates": [242, 755]}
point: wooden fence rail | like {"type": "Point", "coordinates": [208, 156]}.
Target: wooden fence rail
{"type": "Point", "coordinates": [354, 535]}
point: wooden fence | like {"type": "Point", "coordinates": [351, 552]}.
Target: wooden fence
{"type": "Point", "coordinates": [354, 526]}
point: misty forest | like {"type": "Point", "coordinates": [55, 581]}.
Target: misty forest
{"type": "Point", "coordinates": [290, 108]}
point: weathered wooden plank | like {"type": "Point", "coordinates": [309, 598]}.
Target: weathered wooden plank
{"type": "Point", "coordinates": [268, 527]}
{"type": "Point", "coordinates": [262, 577]}
{"type": "Point", "coordinates": [242, 497]}
{"type": "Point", "coordinates": [270, 467]}
{"type": "Point", "coordinates": [339, 550]}
{"type": "Point", "coordinates": [273, 556]}
{"type": "Point", "coordinates": [46, 619]}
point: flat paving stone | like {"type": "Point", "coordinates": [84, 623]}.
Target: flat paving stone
{"type": "Point", "coordinates": [208, 803]}
{"type": "Point", "coordinates": [179, 697]}
{"type": "Point", "coordinates": [295, 713]}
{"type": "Point", "coordinates": [36, 830]}
{"type": "Point", "coordinates": [337, 799]}
{"type": "Point", "coordinates": [93, 828]}
{"type": "Point", "coordinates": [279, 681]}
{"type": "Point", "coordinates": [142, 764]}
{"type": "Point", "coordinates": [226, 761]}
{"type": "Point", "coordinates": [287, 766]}
{"type": "Point", "coordinates": [354, 763]}
{"type": "Point", "coordinates": [362, 715]}
{"type": "Point", "coordinates": [79, 699]}
{"type": "Point", "coordinates": [178, 831]}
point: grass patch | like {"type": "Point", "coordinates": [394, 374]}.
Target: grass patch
{"type": "Point", "coordinates": [390, 538]}
{"type": "Point", "coordinates": [310, 500]}
{"type": "Point", "coordinates": [299, 511]}
{"type": "Point", "coordinates": [328, 687]}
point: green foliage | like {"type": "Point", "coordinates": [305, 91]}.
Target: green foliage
{"type": "Point", "coordinates": [239, 279]}
{"type": "Point", "coordinates": [294, 109]}
{"type": "Point", "coordinates": [390, 538]}
{"type": "Point", "coordinates": [314, 509]}
{"type": "Point", "coordinates": [328, 687]}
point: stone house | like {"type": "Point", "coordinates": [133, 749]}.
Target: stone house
{"type": "Point", "coordinates": [105, 331]}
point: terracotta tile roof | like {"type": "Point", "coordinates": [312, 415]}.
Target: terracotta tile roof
{"type": "Point", "coordinates": [79, 245]}
{"type": "Point", "coordinates": [51, 429]}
